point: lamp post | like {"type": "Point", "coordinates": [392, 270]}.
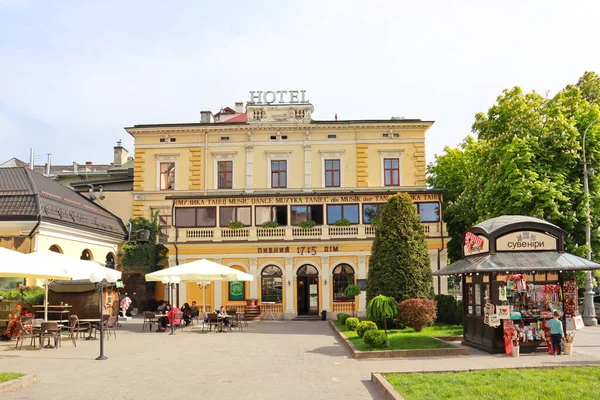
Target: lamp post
{"type": "Point", "coordinates": [171, 281]}
{"type": "Point", "coordinates": [98, 279]}
{"type": "Point", "coordinates": [589, 312]}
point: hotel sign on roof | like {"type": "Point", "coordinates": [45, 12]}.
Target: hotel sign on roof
{"type": "Point", "coordinates": [282, 200]}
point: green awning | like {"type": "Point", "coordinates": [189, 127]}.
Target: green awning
{"type": "Point", "coordinates": [541, 261]}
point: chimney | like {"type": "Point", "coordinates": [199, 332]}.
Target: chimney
{"type": "Point", "coordinates": [121, 154]}
{"type": "Point", "coordinates": [75, 168]}
{"type": "Point", "coordinates": [88, 163]}
{"type": "Point", "coordinates": [206, 117]}
{"type": "Point", "coordinates": [31, 159]}
{"type": "Point", "coordinates": [239, 107]}
{"type": "Point", "coordinates": [48, 164]}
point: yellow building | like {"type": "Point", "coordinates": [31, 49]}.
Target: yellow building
{"type": "Point", "coordinates": [37, 213]}
{"type": "Point", "coordinates": [240, 193]}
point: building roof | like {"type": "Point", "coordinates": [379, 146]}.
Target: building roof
{"type": "Point", "coordinates": [312, 122]}
{"type": "Point", "coordinates": [28, 195]}
{"type": "Point", "coordinates": [14, 162]}
{"type": "Point", "coordinates": [493, 225]}
{"type": "Point", "coordinates": [519, 261]}
{"type": "Point", "coordinates": [238, 118]}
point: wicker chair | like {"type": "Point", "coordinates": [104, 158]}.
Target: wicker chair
{"type": "Point", "coordinates": [26, 332]}
{"type": "Point", "coordinates": [149, 321]}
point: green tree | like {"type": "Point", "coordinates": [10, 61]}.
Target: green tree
{"type": "Point", "coordinates": [382, 308]}
{"type": "Point", "coordinates": [144, 256]}
{"type": "Point", "coordinates": [351, 292]}
{"type": "Point", "coordinates": [399, 263]}
{"type": "Point", "coordinates": [526, 160]}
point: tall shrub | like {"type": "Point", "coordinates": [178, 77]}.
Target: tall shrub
{"type": "Point", "coordinates": [351, 292]}
{"type": "Point", "coordinates": [448, 309]}
{"type": "Point", "coordinates": [417, 313]}
{"type": "Point", "coordinates": [399, 263]}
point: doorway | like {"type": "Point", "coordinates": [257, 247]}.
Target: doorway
{"type": "Point", "coordinates": [307, 290]}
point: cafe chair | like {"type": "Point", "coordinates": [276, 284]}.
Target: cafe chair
{"type": "Point", "coordinates": [75, 327]}
{"type": "Point", "coordinates": [212, 319]}
{"type": "Point", "coordinates": [110, 326]}
{"type": "Point", "coordinates": [179, 316]}
{"type": "Point", "coordinates": [149, 321]}
{"type": "Point", "coordinates": [50, 330]}
{"type": "Point", "coordinates": [26, 333]}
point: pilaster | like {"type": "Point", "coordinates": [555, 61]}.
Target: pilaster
{"type": "Point", "coordinates": [254, 273]}
{"type": "Point", "coordinates": [326, 284]}
{"type": "Point", "coordinates": [249, 166]}
{"type": "Point", "coordinates": [289, 290]}
{"type": "Point", "coordinates": [362, 297]}
{"type": "Point", "coordinates": [307, 168]}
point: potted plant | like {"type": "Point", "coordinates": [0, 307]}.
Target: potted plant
{"type": "Point", "coordinates": [568, 343]}
{"type": "Point", "coordinates": [270, 224]}
{"type": "Point", "coordinates": [342, 222]}
{"type": "Point", "coordinates": [307, 224]}
{"type": "Point", "coordinates": [351, 292]}
{"type": "Point", "coordinates": [250, 302]}
{"type": "Point", "coordinates": [382, 308]}
{"type": "Point", "coordinates": [235, 224]}
{"type": "Point", "coordinates": [257, 302]}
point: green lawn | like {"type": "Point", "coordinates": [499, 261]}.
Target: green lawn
{"type": "Point", "coordinates": [539, 383]}
{"type": "Point", "coordinates": [408, 339]}
{"type": "Point", "coordinates": [7, 376]}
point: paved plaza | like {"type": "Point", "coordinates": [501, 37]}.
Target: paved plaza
{"type": "Point", "coordinates": [269, 360]}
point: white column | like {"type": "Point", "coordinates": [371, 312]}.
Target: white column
{"type": "Point", "coordinates": [307, 168]}
{"type": "Point", "coordinates": [217, 298]}
{"type": "Point", "coordinates": [326, 275]}
{"type": "Point", "coordinates": [362, 298]}
{"type": "Point", "coordinates": [249, 167]}
{"type": "Point", "coordinates": [289, 289]}
{"type": "Point", "coordinates": [254, 273]}
{"type": "Point", "coordinates": [443, 263]}
{"type": "Point", "coordinates": [433, 264]}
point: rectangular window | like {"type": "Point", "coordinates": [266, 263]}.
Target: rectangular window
{"type": "Point", "coordinates": [331, 137]}
{"type": "Point", "coordinates": [307, 213]}
{"type": "Point", "coordinates": [224, 138]}
{"type": "Point", "coordinates": [225, 174]}
{"type": "Point", "coordinates": [185, 217]}
{"type": "Point", "coordinates": [235, 214]}
{"type": "Point", "coordinates": [200, 217]}
{"type": "Point", "coordinates": [206, 216]}
{"type": "Point", "coordinates": [371, 211]}
{"type": "Point", "coordinates": [391, 171]}
{"type": "Point", "coordinates": [279, 174]}
{"type": "Point", "coordinates": [270, 213]}
{"type": "Point", "coordinates": [165, 222]}
{"type": "Point", "coordinates": [337, 212]}
{"type": "Point", "coordinates": [429, 212]}
{"type": "Point", "coordinates": [167, 176]}
{"type": "Point", "coordinates": [332, 173]}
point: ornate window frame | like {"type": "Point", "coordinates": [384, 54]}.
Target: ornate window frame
{"type": "Point", "coordinates": [167, 158]}
{"type": "Point", "coordinates": [223, 156]}
{"type": "Point", "coordinates": [383, 154]}
{"type": "Point", "coordinates": [278, 155]}
{"type": "Point", "coordinates": [332, 155]}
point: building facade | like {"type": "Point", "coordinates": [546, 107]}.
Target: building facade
{"type": "Point", "coordinates": [37, 213]}
{"type": "Point", "coordinates": [283, 197]}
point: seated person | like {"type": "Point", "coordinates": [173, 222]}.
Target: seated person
{"type": "Point", "coordinates": [221, 313]}
{"type": "Point", "coordinates": [161, 306]}
{"type": "Point", "coordinates": [169, 318]}
{"type": "Point", "coordinates": [195, 311]}
{"type": "Point", "coordinates": [11, 329]}
{"type": "Point", "coordinates": [187, 313]}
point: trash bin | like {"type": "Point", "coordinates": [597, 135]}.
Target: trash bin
{"type": "Point", "coordinates": [323, 315]}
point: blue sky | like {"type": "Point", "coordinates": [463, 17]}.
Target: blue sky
{"type": "Point", "coordinates": [74, 73]}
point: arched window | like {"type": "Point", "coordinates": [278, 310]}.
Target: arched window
{"type": "Point", "coordinates": [307, 270]}
{"type": "Point", "coordinates": [110, 261]}
{"type": "Point", "coordinates": [86, 255]}
{"type": "Point", "coordinates": [55, 249]}
{"type": "Point", "coordinates": [271, 283]}
{"type": "Point", "coordinates": [343, 275]}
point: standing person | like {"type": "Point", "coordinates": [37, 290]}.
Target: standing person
{"type": "Point", "coordinates": [125, 303]}
{"type": "Point", "coordinates": [556, 333]}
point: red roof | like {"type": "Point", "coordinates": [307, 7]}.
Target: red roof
{"type": "Point", "coordinates": [239, 118]}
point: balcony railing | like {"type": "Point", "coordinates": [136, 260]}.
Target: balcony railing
{"type": "Point", "coordinates": [288, 233]}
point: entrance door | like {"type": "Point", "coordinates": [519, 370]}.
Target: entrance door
{"type": "Point", "coordinates": [307, 290]}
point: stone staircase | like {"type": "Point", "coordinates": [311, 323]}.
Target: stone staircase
{"type": "Point", "coordinates": [252, 312]}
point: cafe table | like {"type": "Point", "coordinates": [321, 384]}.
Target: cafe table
{"type": "Point", "coordinates": [93, 323]}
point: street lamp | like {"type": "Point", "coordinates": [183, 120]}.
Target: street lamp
{"type": "Point", "coordinates": [98, 279]}
{"type": "Point", "coordinates": [171, 281]}
{"type": "Point", "coordinates": [589, 312]}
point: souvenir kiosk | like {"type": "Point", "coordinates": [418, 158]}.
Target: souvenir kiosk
{"type": "Point", "coordinates": [514, 274]}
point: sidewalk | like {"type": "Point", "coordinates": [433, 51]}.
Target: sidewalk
{"type": "Point", "coordinates": [268, 360]}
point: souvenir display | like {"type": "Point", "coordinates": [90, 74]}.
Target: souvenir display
{"type": "Point", "coordinates": [570, 297]}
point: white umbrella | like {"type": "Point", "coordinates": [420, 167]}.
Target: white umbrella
{"type": "Point", "coordinates": [74, 268]}
{"type": "Point", "coordinates": [201, 271]}
{"type": "Point", "coordinates": [18, 265]}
